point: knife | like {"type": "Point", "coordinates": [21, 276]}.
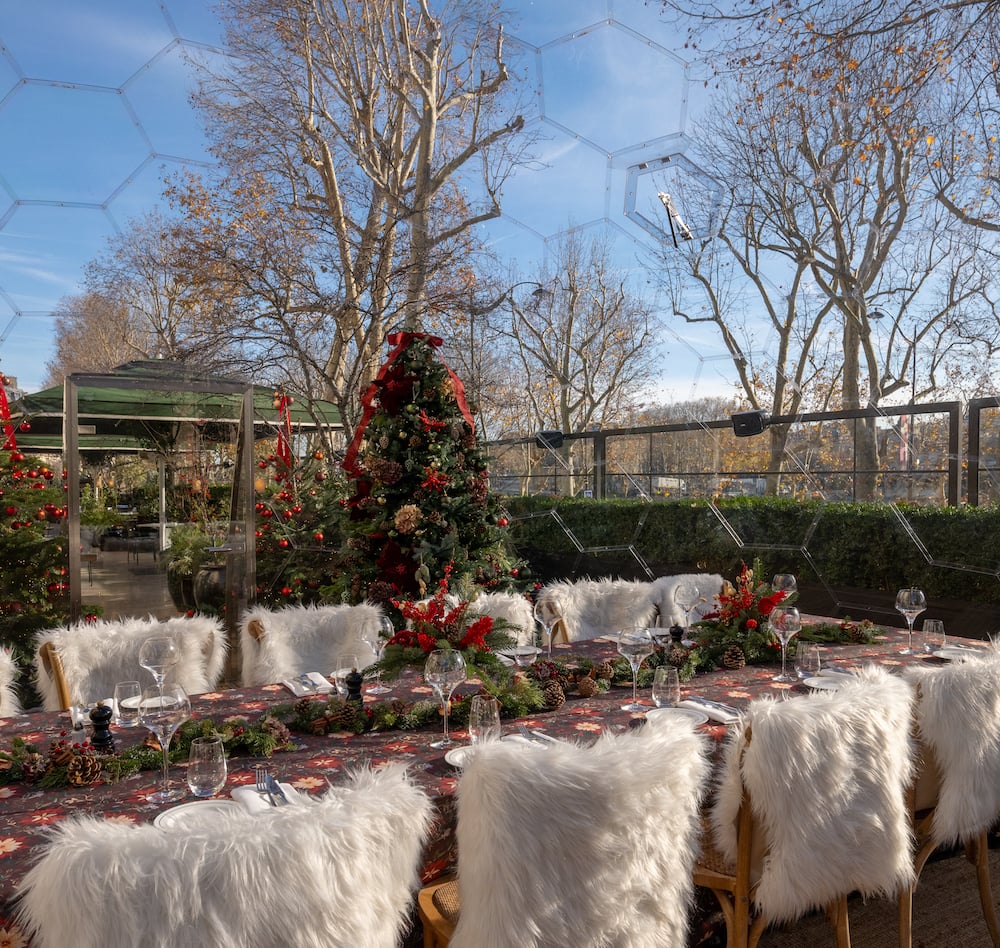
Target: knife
{"type": "Point", "coordinates": [274, 788]}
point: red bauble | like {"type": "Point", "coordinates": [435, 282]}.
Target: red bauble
{"type": "Point", "coordinates": [318, 537]}
{"type": "Point", "coordinates": [283, 543]}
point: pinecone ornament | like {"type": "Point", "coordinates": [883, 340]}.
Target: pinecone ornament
{"type": "Point", "coordinates": [341, 716]}
{"type": "Point", "coordinates": [303, 707]}
{"type": "Point", "coordinates": [83, 770]}
{"type": "Point", "coordinates": [733, 658]}
{"type": "Point", "coordinates": [554, 696]}
{"type": "Point", "coordinates": [605, 670]}
{"type": "Point", "coordinates": [677, 657]}
{"type": "Point", "coordinates": [33, 767]}
{"type": "Point", "coordinates": [856, 634]}
{"type": "Point", "coordinates": [587, 687]}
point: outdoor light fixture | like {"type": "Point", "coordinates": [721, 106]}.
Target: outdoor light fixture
{"type": "Point", "coordinates": [549, 439]}
{"type": "Point", "coordinates": [746, 424]}
{"type": "Point", "coordinates": [677, 225]}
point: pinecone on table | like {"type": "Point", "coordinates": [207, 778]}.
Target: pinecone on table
{"type": "Point", "coordinates": [342, 716]}
{"type": "Point", "coordinates": [677, 656]}
{"type": "Point", "coordinates": [733, 658]}
{"type": "Point", "coordinates": [587, 687]}
{"type": "Point", "coordinates": [33, 767]}
{"type": "Point", "coordinates": [83, 770]}
{"type": "Point", "coordinates": [554, 696]}
{"type": "Point", "coordinates": [605, 670]}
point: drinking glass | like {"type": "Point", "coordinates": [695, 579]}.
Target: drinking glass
{"type": "Point", "coordinates": [934, 634]}
{"type": "Point", "coordinates": [484, 719]}
{"type": "Point", "coordinates": [524, 655]}
{"type": "Point", "coordinates": [162, 710]}
{"type": "Point", "coordinates": [127, 695]}
{"type": "Point", "coordinates": [666, 687]}
{"type": "Point", "coordinates": [807, 661]}
{"type": "Point", "coordinates": [785, 622]}
{"type": "Point", "coordinates": [635, 645]}
{"type": "Point", "coordinates": [784, 582]}
{"type": "Point", "coordinates": [376, 637]}
{"type": "Point", "coordinates": [443, 671]}
{"type": "Point", "coordinates": [910, 601]}
{"type": "Point", "coordinates": [158, 654]}
{"type": "Point", "coordinates": [547, 621]}
{"type": "Point", "coordinates": [206, 774]}
{"type": "Point", "coordinates": [344, 664]}
{"type": "Point", "coordinates": [686, 595]}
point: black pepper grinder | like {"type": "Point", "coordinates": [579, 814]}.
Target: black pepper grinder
{"type": "Point", "coordinates": [102, 739]}
{"type": "Point", "coordinates": [354, 682]}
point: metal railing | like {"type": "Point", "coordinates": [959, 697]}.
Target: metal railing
{"type": "Point", "coordinates": [939, 453]}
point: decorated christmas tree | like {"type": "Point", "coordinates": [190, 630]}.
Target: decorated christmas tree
{"type": "Point", "coordinates": [420, 507]}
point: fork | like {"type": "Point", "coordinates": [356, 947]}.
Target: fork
{"type": "Point", "coordinates": [260, 776]}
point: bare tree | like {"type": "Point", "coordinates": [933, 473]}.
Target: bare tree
{"type": "Point", "coordinates": [580, 342]}
{"type": "Point", "coordinates": [366, 117]}
{"type": "Point", "coordinates": [825, 223]}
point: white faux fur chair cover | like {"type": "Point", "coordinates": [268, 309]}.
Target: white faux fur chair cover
{"type": "Point", "coordinates": [593, 607]}
{"type": "Point", "coordinates": [97, 655]}
{"type": "Point", "coordinates": [300, 639]}
{"type": "Point", "coordinates": [9, 704]}
{"type": "Point", "coordinates": [663, 589]}
{"type": "Point", "coordinates": [337, 872]}
{"type": "Point", "coordinates": [563, 846]}
{"type": "Point", "coordinates": [827, 775]}
{"type": "Point", "coordinates": [958, 715]}
{"type": "Point", "coordinates": [513, 609]}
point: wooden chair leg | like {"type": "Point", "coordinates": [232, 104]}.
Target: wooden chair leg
{"type": "Point", "coordinates": [977, 852]}
{"type": "Point", "coordinates": [839, 919]}
{"type": "Point", "coordinates": [904, 913]}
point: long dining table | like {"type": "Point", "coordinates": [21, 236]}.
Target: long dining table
{"type": "Point", "coordinates": [27, 811]}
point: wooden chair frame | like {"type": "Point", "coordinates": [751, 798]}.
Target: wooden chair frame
{"type": "Point", "coordinates": [734, 889]}
{"type": "Point", "coordinates": [53, 666]}
{"type": "Point", "coordinates": [437, 929]}
{"type": "Point", "coordinates": [976, 852]}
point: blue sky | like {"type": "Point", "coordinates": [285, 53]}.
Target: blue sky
{"type": "Point", "coordinates": [94, 113]}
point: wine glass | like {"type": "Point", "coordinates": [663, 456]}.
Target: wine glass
{"type": "Point", "coordinates": [635, 645]}
{"type": "Point", "coordinates": [910, 602]}
{"type": "Point", "coordinates": [785, 582]}
{"type": "Point", "coordinates": [376, 637]}
{"type": "Point", "coordinates": [547, 621]}
{"type": "Point", "coordinates": [524, 655]}
{"type": "Point", "coordinates": [443, 671]}
{"type": "Point", "coordinates": [785, 622]}
{"type": "Point", "coordinates": [162, 710]}
{"type": "Point", "coordinates": [687, 595]}
{"type": "Point", "coordinates": [158, 654]}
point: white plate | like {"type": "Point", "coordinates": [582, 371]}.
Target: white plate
{"type": "Point", "coordinates": [952, 653]}
{"type": "Point", "coordinates": [457, 756]}
{"type": "Point", "coordinates": [194, 814]}
{"type": "Point", "coordinates": [698, 717]}
{"type": "Point", "coordinates": [132, 702]}
{"type": "Point", "coordinates": [825, 682]}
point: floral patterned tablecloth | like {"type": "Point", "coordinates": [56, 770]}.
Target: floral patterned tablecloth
{"type": "Point", "coordinates": [26, 811]}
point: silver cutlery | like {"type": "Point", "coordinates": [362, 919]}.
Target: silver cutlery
{"type": "Point", "coordinates": [260, 776]}
{"type": "Point", "coordinates": [532, 736]}
{"type": "Point", "coordinates": [274, 789]}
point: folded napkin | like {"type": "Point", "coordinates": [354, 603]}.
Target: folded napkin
{"type": "Point", "coordinates": [712, 710]}
{"type": "Point", "coordinates": [310, 683]}
{"type": "Point", "coordinates": [254, 802]}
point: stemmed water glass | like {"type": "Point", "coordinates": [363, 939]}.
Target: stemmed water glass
{"type": "Point", "coordinates": [785, 582]}
{"type": "Point", "coordinates": [158, 654]}
{"type": "Point", "coordinates": [547, 621]}
{"type": "Point", "coordinates": [910, 602]}
{"type": "Point", "coordinates": [686, 595]}
{"type": "Point", "coordinates": [376, 639]}
{"type": "Point", "coordinates": [785, 622]}
{"type": "Point", "coordinates": [634, 645]}
{"type": "Point", "coordinates": [162, 710]}
{"type": "Point", "coordinates": [443, 671]}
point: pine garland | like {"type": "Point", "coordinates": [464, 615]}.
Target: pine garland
{"type": "Point", "coordinates": [78, 763]}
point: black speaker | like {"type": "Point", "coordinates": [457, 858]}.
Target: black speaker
{"type": "Point", "coordinates": [549, 439]}
{"type": "Point", "coordinates": [749, 423]}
